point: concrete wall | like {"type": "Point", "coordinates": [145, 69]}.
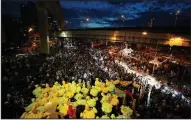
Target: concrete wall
{"type": "Point", "coordinates": [126, 35]}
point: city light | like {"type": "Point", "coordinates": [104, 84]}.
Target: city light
{"type": "Point", "coordinates": [144, 33]}
{"type": "Point", "coordinates": [63, 34]}
{"type": "Point", "coordinates": [34, 44]}
{"type": "Point", "coordinates": [176, 41]}
{"type": "Point", "coordinates": [113, 38]}
{"type": "Point", "coordinates": [87, 19]}
{"type": "Point", "coordinates": [177, 12]}
{"type": "Point", "coordinates": [122, 16]}
{"type": "Point", "coordinates": [30, 29]}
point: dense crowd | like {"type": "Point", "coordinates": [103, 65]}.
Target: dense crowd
{"type": "Point", "coordinates": [157, 95]}
{"type": "Point", "coordinates": [79, 61]}
{"type": "Point", "coordinates": [176, 74]}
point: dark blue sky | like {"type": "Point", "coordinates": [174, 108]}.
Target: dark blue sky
{"type": "Point", "coordinates": [107, 13]}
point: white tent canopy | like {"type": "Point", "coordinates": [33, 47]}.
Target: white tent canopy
{"type": "Point", "coordinates": [127, 51]}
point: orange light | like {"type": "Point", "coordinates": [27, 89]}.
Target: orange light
{"type": "Point", "coordinates": [30, 29]}
{"type": "Point", "coordinates": [114, 37]}
{"type": "Point", "coordinates": [34, 44]}
{"type": "Point", "coordinates": [144, 33]}
{"type": "Point", "coordinates": [177, 41]}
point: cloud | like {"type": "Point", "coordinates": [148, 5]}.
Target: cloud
{"type": "Point", "coordinates": [98, 5]}
{"type": "Point", "coordinates": [95, 25]}
{"type": "Point", "coordinates": [108, 12]}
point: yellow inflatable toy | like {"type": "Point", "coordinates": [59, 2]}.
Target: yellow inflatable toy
{"type": "Point", "coordinates": [63, 109]}
{"type": "Point", "coordinates": [84, 91]}
{"type": "Point", "coordinates": [50, 102]}
{"type": "Point", "coordinates": [88, 113]}
{"type": "Point", "coordinates": [106, 107]}
{"type": "Point", "coordinates": [114, 100]}
{"type": "Point", "coordinates": [91, 102]}
{"type": "Point", "coordinates": [127, 112]}
{"type": "Point", "coordinates": [94, 91]}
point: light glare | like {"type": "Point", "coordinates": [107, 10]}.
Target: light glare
{"type": "Point", "coordinates": [144, 33]}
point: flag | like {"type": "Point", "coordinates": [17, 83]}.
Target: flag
{"type": "Point", "coordinates": [129, 94]}
{"type": "Point", "coordinates": [71, 112]}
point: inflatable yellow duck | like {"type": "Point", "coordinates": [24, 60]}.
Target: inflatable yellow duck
{"type": "Point", "coordinates": [89, 113]}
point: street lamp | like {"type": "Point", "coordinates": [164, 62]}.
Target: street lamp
{"type": "Point", "coordinates": [29, 33]}
{"type": "Point", "coordinates": [87, 19]}
{"type": "Point", "coordinates": [123, 18]}
{"type": "Point", "coordinates": [144, 33]}
{"type": "Point", "coordinates": [177, 13]}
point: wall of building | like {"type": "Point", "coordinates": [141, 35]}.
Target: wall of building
{"type": "Point", "coordinates": [3, 36]}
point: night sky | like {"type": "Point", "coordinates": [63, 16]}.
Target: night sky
{"type": "Point", "coordinates": [107, 13]}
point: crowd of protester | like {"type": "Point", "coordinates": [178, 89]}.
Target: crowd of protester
{"type": "Point", "coordinates": [166, 109]}
{"type": "Point", "coordinates": [73, 61]}
{"type": "Point", "coordinates": [169, 71]}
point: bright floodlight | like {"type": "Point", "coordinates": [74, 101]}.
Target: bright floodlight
{"type": "Point", "coordinates": [176, 41]}
{"type": "Point", "coordinates": [87, 19]}
{"type": "Point", "coordinates": [144, 33]}
{"type": "Point", "coordinates": [63, 34]}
